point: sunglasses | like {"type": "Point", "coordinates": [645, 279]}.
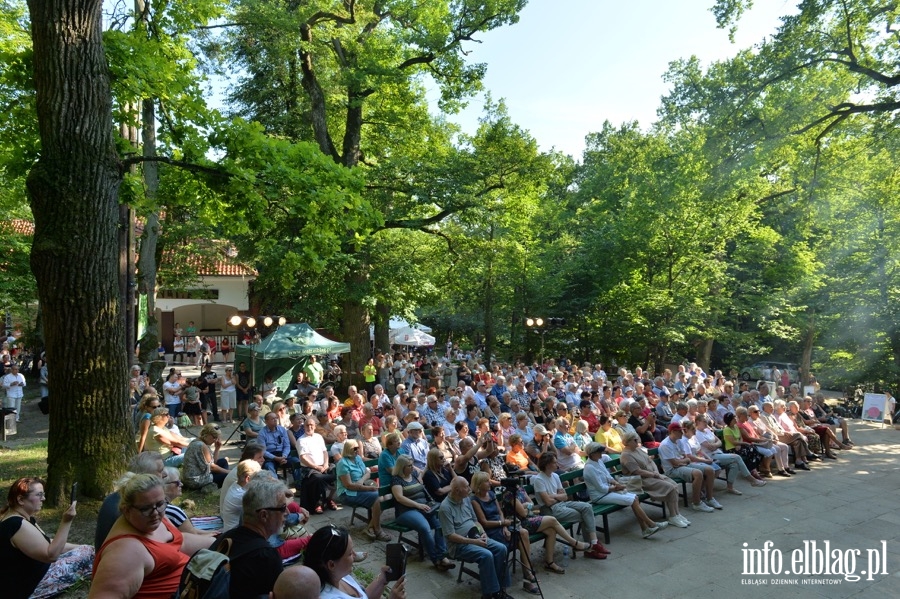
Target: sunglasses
{"type": "Point", "coordinates": [334, 533]}
{"type": "Point", "coordinates": [280, 508]}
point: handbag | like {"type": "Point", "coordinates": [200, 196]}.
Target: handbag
{"type": "Point", "coordinates": [633, 484]}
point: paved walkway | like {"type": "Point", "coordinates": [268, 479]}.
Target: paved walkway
{"type": "Point", "coordinates": [853, 503]}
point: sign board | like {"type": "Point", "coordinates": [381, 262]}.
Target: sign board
{"type": "Point", "coordinates": [874, 407]}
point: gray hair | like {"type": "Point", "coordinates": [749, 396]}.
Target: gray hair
{"type": "Point", "coordinates": [159, 412]}
{"type": "Point", "coordinates": [172, 474]}
{"type": "Point", "coordinates": [146, 462]}
{"type": "Point", "coordinates": [261, 493]}
{"type": "Point", "coordinates": [629, 435]}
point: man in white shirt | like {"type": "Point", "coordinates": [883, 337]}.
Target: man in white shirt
{"type": "Point", "coordinates": [232, 502]}
{"type": "Point", "coordinates": [676, 464]}
{"type": "Point", "coordinates": [14, 384]}
{"type": "Point", "coordinates": [316, 468]}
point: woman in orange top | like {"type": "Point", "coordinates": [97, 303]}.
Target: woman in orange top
{"type": "Point", "coordinates": [144, 554]}
{"type": "Point", "coordinates": [517, 456]}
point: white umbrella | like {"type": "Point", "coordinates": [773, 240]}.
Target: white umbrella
{"type": "Point", "coordinates": [412, 337]}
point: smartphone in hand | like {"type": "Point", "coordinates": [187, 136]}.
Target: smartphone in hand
{"type": "Point", "coordinates": [73, 494]}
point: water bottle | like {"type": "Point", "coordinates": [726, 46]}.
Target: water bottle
{"type": "Point", "coordinates": [565, 552]}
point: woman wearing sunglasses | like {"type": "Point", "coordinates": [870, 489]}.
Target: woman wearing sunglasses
{"type": "Point", "coordinates": [330, 555]}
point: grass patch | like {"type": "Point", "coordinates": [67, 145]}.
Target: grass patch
{"type": "Point", "coordinates": [30, 460]}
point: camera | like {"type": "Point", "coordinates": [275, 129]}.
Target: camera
{"type": "Point", "coordinates": [512, 483]}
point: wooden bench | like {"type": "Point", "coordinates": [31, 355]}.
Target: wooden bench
{"type": "Point", "coordinates": [603, 510]}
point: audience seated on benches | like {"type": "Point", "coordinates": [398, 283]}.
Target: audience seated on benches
{"type": "Point", "coordinates": [603, 488]}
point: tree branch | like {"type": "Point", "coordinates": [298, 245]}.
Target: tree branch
{"type": "Point", "coordinates": [445, 237]}
{"type": "Point", "coordinates": [330, 16]}
{"type": "Point", "coordinates": [424, 59]}
{"type": "Point", "coordinates": [223, 25]}
{"type": "Point", "coordinates": [188, 166]}
{"type": "Point", "coordinates": [844, 110]}
{"type": "Point", "coordinates": [776, 195]}
{"type": "Point", "coordinates": [420, 223]}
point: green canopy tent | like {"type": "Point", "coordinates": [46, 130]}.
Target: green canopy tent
{"type": "Point", "coordinates": [283, 353]}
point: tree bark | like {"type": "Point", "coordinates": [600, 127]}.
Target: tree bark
{"type": "Point", "coordinates": [73, 189]}
{"type": "Point", "coordinates": [489, 305]}
{"type": "Point", "coordinates": [809, 339]}
{"type": "Point", "coordinates": [147, 260]}
{"type": "Point", "coordinates": [355, 327]}
{"type": "Point", "coordinates": [383, 327]}
{"type": "Point", "coordinates": [704, 355]}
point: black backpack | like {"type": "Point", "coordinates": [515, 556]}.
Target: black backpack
{"type": "Point", "coordinates": [207, 575]}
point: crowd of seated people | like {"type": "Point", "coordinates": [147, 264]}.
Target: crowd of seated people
{"type": "Point", "coordinates": [442, 454]}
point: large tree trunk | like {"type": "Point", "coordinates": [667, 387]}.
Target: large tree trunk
{"type": "Point", "coordinates": [488, 306]}
{"type": "Point", "coordinates": [147, 259]}
{"type": "Point", "coordinates": [809, 339]}
{"type": "Point", "coordinates": [704, 355]}
{"type": "Point", "coordinates": [74, 197]}
{"type": "Point", "coordinates": [355, 327]}
{"type": "Point", "coordinates": [383, 327]}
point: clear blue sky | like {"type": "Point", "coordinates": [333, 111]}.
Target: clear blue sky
{"type": "Point", "coordinates": [569, 65]}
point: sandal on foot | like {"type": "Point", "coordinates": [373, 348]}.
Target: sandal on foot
{"type": "Point", "coordinates": [444, 565]}
{"type": "Point", "coordinates": [578, 546]}
{"type": "Point", "coordinates": [553, 567]}
{"type": "Point", "coordinates": [531, 587]}
{"type": "Point", "coordinates": [359, 556]}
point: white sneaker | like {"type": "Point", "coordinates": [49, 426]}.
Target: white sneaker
{"type": "Point", "coordinates": [661, 525]}
{"type": "Point", "coordinates": [701, 507]}
{"type": "Point", "coordinates": [675, 521]}
{"type": "Point", "coordinates": [713, 503]}
{"type": "Point", "coordinates": [649, 532]}
{"type": "Point", "coordinates": [683, 519]}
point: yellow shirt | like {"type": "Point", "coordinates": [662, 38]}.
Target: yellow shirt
{"type": "Point", "coordinates": [611, 439]}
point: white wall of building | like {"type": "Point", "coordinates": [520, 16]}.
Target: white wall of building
{"type": "Point", "coordinates": [210, 315]}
